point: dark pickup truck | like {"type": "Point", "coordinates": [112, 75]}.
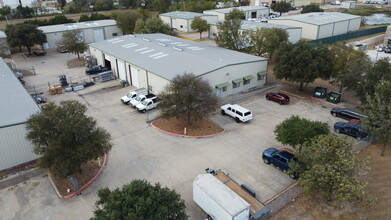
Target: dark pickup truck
{"type": "Point", "coordinates": [96, 70]}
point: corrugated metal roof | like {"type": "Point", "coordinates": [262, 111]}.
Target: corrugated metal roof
{"type": "Point", "coordinates": [2, 34]}
{"type": "Point", "coordinates": [242, 8]}
{"type": "Point", "coordinates": [77, 26]}
{"type": "Point", "coordinates": [168, 56]}
{"type": "Point", "coordinates": [16, 104]}
{"type": "Point", "coordinates": [184, 14]}
{"type": "Point", "coordinates": [250, 25]}
{"type": "Point", "coordinates": [318, 18]}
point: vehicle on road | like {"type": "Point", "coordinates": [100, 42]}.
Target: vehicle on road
{"type": "Point", "coordinates": [147, 104]}
{"type": "Point", "coordinates": [280, 159]}
{"type": "Point", "coordinates": [380, 48]}
{"type": "Point", "coordinates": [351, 128]}
{"type": "Point", "coordinates": [347, 113]}
{"type": "Point", "coordinates": [278, 97]}
{"type": "Point", "coordinates": [239, 113]}
{"type": "Point", "coordinates": [140, 98]}
{"type": "Point", "coordinates": [133, 94]}
{"type": "Point", "coordinates": [96, 69]}
{"type": "Point", "coordinates": [387, 50]}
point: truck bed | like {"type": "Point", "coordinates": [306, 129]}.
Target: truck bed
{"type": "Point", "coordinates": [255, 205]}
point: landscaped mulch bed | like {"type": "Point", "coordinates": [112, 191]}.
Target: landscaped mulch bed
{"type": "Point", "coordinates": [89, 170]}
{"type": "Point", "coordinates": [201, 127]}
{"type": "Point", "coordinates": [76, 62]}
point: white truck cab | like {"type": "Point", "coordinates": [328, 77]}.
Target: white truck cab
{"type": "Point", "coordinates": [132, 95]}
{"type": "Point", "coordinates": [237, 112]}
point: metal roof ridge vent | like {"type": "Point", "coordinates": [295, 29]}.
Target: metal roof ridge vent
{"type": "Point", "coordinates": [145, 39]}
{"type": "Point", "coordinates": [161, 44]}
{"type": "Point", "coordinates": [310, 15]}
{"type": "Point", "coordinates": [177, 48]}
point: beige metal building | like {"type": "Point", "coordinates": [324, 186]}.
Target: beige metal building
{"type": "Point", "coordinates": [17, 106]}
{"type": "Point", "coordinates": [181, 20]}
{"type": "Point", "coordinates": [319, 25]}
{"type": "Point", "coordinates": [249, 12]}
{"type": "Point", "coordinates": [91, 31]}
{"type": "Point", "coordinates": [293, 2]}
{"type": "Point", "coordinates": [293, 32]}
{"type": "Point", "coordinates": [153, 60]}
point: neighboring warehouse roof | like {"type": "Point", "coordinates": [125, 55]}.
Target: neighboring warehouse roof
{"type": "Point", "coordinates": [250, 25]}
{"type": "Point", "coordinates": [17, 105]}
{"type": "Point", "coordinates": [77, 26]}
{"type": "Point", "coordinates": [168, 56]}
{"type": "Point", "coordinates": [220, 193]}
{"type": "Point", "coordinates": [319, 18]}
{"type": "Point", "coordinates": [184, 14]}
{"type": "Point", "coordinates": [242, 8]}
{"type": "Point", "coordinates": [2, 34]}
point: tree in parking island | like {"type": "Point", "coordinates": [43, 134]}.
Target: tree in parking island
{"type": "Point", "coordinates": [187, 96]}
{"type": "Point", "coordinates": [65, 137]}
{"type": "Point", "coordinates": [139, 200]}
{"type": "Point", "coordinates": [330, 168]}
{"type": "Point", "coordinates": [302, 62]}
{"type": "Point", "coordinates": [281, 6]}
{"type": "Point", "coordinates": [294, 131]}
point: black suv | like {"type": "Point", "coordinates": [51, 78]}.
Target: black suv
{"type": "Point", "coordinates": [351, 128]}
{"type": "Point", "coordinates": [347, 114]}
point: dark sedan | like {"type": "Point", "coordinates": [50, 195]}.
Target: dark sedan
{"type": "Point", "coordinates": [278, 97]}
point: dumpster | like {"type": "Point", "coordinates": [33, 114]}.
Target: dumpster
{"type": "Point", "coordinates": [319, 92]}
{"type": "Point", "coordinates": [334, 97]}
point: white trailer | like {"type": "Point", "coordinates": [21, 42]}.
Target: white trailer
{"type": "Point", "coordinates": [217, 200]}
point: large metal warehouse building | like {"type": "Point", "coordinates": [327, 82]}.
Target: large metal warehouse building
{"type": "Point", "coordinates": [249, 12]}
{"type": "Point", "coordinates": [181, 20]}
{"type": "Point", "coordinates": [17, 107]}
{"type": "Point", "coordinates": [319, 25]}
{"type": "Point", "coordinates": [152, 60]}
{"type": "Point", "coordinates": [91, 31]}
{"type": "Point", "coordinates": [293, 32]}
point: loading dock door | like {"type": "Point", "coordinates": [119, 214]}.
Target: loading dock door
{"type": "Point", "coordinates": [98, 35]}
{"type": "Point", "coordinates": [173, 22]}
{"type": "Point", "coordinates": [107, 61]}
{"type": "Point", "coordinates": [121, 70]}
{"type": "Point", "coordinates": [134, 75]}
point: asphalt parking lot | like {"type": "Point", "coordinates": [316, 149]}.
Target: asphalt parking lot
{"type": "Point", "coordinates": [141, 152]}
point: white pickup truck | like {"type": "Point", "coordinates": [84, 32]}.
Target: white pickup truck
{"type": "Point", "coordinates": [140, 99]}
{"type": "Point", "coordinates": [237, 112]}
{"type": "Point", "coordinates": [132, 95]}
{"type": "Point", "coordinates": [147, 104]}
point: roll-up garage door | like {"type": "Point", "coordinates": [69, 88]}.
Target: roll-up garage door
{"type": "Point", "coordinates": [173, 20]}
{"type": "Point", "coordinates": [121, 70]}
{"type": "Point", "coordinates": [98, 35]}
{"type": "Point", "coordinates": [134, 75]}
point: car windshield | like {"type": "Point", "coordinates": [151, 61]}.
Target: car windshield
{"type": "Point", "coordinates": [144, 102]}
{"type": "Point", "coordinates": [138, 98]}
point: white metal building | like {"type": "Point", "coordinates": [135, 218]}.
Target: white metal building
{"type": "Point", "coordinates": [152, 60]}
{"type": "Point", "coordinates": [91, 31]}
{"type": "Point", "coordinates": [17, 106]}
{"type": "Point", "coordinates": [319, 25]}
{"type": "Point", "coordinates": [181, 20]}
{"type": "Point", "coordinates": [293, 32]}
{"type": "Point", "coordinates": [249, 12]}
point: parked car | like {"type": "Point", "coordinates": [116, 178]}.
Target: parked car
{"type": "Point", "coordinates": [61, 48]}
{"type": "Point", "coordinates": [96, 69]}
{"type": "Point", "coordinates": [380, 48]}
{"type": "Point", "coordinates": [347, 113]}
{"type": "Point", "coordinates": [239, 113]}
{"type": "Point", "coordinates": [278, 97]}
{"type": "Point", "coordinates": [387, 49]}
{"type": "Point", "coordinates": [280, 159]}
{"type": "Point", "coordinates": [351, 128]}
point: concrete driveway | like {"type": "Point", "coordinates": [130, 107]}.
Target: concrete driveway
{"type": "Point", "coordinates": [141, 152]}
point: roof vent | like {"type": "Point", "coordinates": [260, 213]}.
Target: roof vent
{"type": "Point", "coordinates": [161, 44]}
{"type": "Point", "coordinates": [145, 39]}
{"type": "Point", "coordinates": [178, 49]}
